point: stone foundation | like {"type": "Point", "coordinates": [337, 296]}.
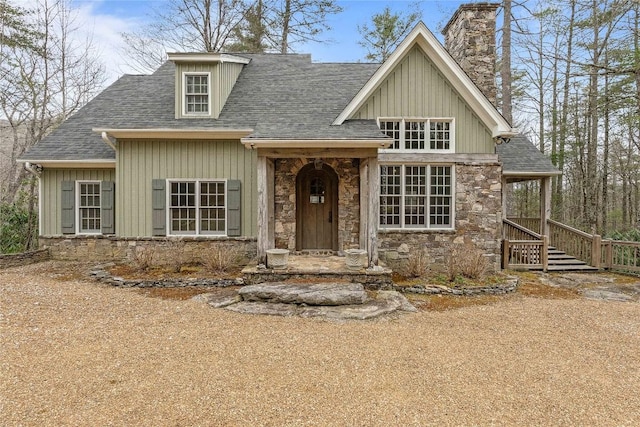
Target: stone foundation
{"type": "Point", "coordinates": [478, 223]}
{"type": "Point", "coordinates": [348, 171]}
{"type": "Point", "coordinates": [119, 249]}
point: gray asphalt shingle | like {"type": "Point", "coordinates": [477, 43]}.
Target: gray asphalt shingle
{"type": "Point", "coordinates": [278, 96]}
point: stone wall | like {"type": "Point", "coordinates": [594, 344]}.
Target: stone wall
{"type": "Point", "coordinates": [24, 258]}
{"type": "Point", "coordinates": [470, 38]}
{"type": "Point", "coordinates": [348, 171]}
{"type": "Point", "coordinates": [478, 222]}
{"type": "Point", "coordinates": [117, 249]}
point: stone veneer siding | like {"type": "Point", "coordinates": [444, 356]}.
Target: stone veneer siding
{"type": "Point", "coordinates": [478, 222]}
{"type": "Point", "coordinates": [119, 249]}
{"type": "Point", "coordinates": [348, 171]}
{"type": "Point", "coordinates": [470, 38]}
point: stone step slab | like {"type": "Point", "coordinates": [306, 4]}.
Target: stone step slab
{"type": "Point", "coordinates": [315, 294]}
{"type": "Point", "coordinates": [384, 303]}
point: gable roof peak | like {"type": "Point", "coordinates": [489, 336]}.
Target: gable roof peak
{"type": "Point", "coordinates": [421, 36]}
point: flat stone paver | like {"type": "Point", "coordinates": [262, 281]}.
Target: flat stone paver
{"type": "Point", "coordinates": [600, 286]}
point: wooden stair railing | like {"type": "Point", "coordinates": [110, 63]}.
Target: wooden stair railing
{"type": "Point", "coordinates": [581, 245]}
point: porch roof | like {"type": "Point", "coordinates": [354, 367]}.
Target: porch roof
{"type": "Point", "coordinates": [521, 160]}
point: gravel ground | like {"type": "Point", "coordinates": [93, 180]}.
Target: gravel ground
{"type": "Point", "coordinates": [77, 353]}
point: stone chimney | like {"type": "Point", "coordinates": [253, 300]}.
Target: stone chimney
{"type": "Point", "coordinates": [470, 37]}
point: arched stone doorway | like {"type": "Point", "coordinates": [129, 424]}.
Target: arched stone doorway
{"type": "Point", "coordinates": [317, 208]}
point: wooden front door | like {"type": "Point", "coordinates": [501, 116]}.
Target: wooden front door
{"type": "Point", "coordinates": [317, 208]}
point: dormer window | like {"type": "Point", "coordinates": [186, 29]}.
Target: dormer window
{"type": "Point", "coordinates": [197, 94]}
{"type": "Point", "coordinates": [419, 135]}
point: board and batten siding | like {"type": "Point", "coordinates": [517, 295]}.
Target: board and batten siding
{"type": "Point", "coordinates": [223, 77]}
{"type": "Point", "coordinates": [139, 162]}
{"type": "Point", "coordinates": [416, 88]}
{"type": "Point", "coordinates": [51, 193]}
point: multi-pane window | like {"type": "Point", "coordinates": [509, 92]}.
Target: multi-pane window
{"type": "Point", "coordinates": [419, 134]}
{"type": "Point", "coordinates": [196, 93]}
{"type": "Point", "coordinates": [89, 207]}
{"type": "Point", "coordinates": [416, 196]}
{"type": "Point", "coordinates": [197, 207]}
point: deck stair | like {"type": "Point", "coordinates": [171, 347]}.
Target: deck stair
{"type": "Point", "coordinates": [560, 261]}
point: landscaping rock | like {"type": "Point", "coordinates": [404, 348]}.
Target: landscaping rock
{"type": "Point", "coordinates": [274, 309]}
{"type": "Point", "coordinates": [326, 294]}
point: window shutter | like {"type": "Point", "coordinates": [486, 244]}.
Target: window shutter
{"type": "Point", "coordinates": [159, 200]}
{"type": "Point", "coordinates": [68, 207]}
{"type": "Point", "coordinates": [233, 208]}
{"type": "Point", "coordinates": [107, 203]}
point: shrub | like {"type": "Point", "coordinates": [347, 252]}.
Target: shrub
{"type": "Point", "coordinates": [143, 258]}
{"type": "Point", "coordinates": [176, 247]}
{"type": "Point", "coordinates": [417, 264]}
{"type": "Point", "coordinates": [220, 258]}
{"type": "Point", "coordinates": [466, 261]}
{"type": "Point", "coordinates": [18, 228]}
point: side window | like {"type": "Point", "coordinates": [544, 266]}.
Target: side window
{"type": "Point", "coordinates": [89, 207]}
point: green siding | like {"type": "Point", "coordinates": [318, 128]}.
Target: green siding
{"type": "Point", "coordinates": [223, 77]}
{"type": "Point", "coordinates": [51, 181]}
{"type": "Point", "coordinates": [229, 73]}
{"type": "Point", "coordinates": [416, 88]}
{"type": "Point", "coordinates": [139, 162]}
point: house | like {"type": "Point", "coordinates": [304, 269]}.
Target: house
{"type": "Point", "coordinates": [275, 151]}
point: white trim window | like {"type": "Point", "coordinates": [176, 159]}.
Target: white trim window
{"type": "Point", "coordinates": [417, 135]}
{"type": "Point", "coordinates": [197, 207]}
{"type": "Point", "coordinates": [416, 196]}
{"type": "Point", "coordinates": [89, 207]}
{"type": "Point", "coordinates": [197, 94]}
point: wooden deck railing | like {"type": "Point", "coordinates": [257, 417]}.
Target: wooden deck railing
{"type": "Point", "coordinates": [584, 246]}
{"type": "Point", "coordinates": [523, 248]}
{"type": "Point", "coordinates": [621, 255]}
{"type": "Point", "coordinates": [532, 224]}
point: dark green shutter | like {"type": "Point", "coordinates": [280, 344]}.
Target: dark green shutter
{"type": "Point", "coordinates": [159, 201]}
{"type": "Point", "coordinates": [68, 207]}
{"type": "Point", "coordinates": [107, 203]}
{"type": "Point", "coordinates": [233, 208]}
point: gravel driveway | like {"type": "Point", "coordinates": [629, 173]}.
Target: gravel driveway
{"type": "Point", "coordinates": [77, 353]}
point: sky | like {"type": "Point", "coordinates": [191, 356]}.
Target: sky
{"type": "Point", "coordinates": [107, 19]}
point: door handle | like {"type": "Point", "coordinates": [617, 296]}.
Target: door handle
{"type": "Point", "coordinates": [330, 216]}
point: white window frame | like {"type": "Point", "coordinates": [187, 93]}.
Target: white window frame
{"type": "Point", "coordinates": [427, 226]}
{"type": "Point", "coordinates": [79, 207]}
{"type": "Point", "coordinates": [198, 231]}
{"type": "Point", "coordinates": [427, 121]}
{"type": "Point", "coordinates": [184, 93]}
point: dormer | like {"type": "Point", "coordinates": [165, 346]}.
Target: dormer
{"type": "Point", "coordinates": [203, 82]}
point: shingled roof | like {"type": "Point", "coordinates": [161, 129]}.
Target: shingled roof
{"type": "Point", "coordinates": [277, 96]}
{"type": "Point", "coordinates": [521, 159]}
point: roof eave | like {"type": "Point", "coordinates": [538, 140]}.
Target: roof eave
{"type": "Point", "coordinates": [254, 143]}
{"type": "Point", "coordinates": [164, 133]}
{"type": "Point", "coordinates": [72, 164]}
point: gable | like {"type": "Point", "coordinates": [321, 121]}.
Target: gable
{"type": "Point", "coordinates": [416, 88]}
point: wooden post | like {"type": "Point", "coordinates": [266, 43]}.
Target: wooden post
{"type": "Point", "coordinates": [545, 205]}
{"type": "Point", "coordinates": [544, 256]}
{"type": "Point", "coordinates": [596, 251]}
{"type": "Point", "coordinates": [263, 210]}
{"type": "Point", "coordinates": [364, 204]}
{"type": "Point", "coordinates": [505, 254]}
{"type": "Point", "coordinates": [374, 208]}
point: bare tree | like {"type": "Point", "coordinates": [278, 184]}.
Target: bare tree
{"type": "Point", "coordinates": [38, 91]}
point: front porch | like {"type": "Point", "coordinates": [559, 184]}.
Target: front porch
{"type": "Point", "coordinates": [318, 199]}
